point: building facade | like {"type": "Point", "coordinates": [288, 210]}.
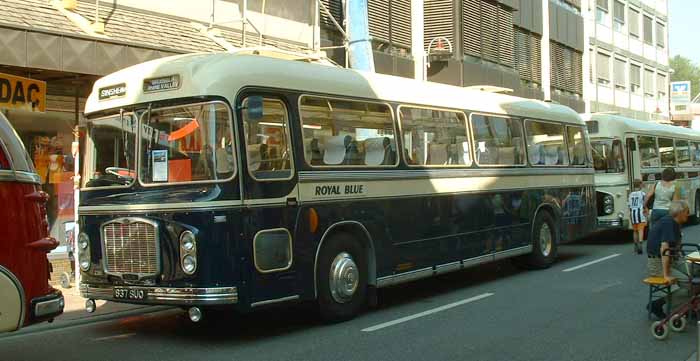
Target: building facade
{"type": "Point", "coordinates": [534, 47]}
{"type": "Point", "coordinates": [628, 55]}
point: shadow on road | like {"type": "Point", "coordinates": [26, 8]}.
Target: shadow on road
{"type": "Point", "coordinates": [234, 328]}
{"type": "Point", "coordinates": [607, 238]}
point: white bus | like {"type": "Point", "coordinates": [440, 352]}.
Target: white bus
{"type": "Point", "coordinates": [245, 179]}
{"type": "Point", "coordinates": [626, 149]}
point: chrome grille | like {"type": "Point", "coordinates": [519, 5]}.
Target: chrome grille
{"type": "Point", "coordinates": [130, 247]}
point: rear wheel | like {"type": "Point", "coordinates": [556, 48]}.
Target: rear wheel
{"type": "Point", "coordinates": [659, 330]}
{"type": "Point", "coordinates": [545, 240]}
{"type": "Point", "coordinates": [342, 278]}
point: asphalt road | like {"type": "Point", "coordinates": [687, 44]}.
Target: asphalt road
{"type": "Point", "coordinates": [494, 312]}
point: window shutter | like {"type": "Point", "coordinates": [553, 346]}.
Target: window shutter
{"type": "Point", "coordinates": [489, 30]}
{"type": "Point", "coordinates": [536, 54]}
{"type": "Point", "coordinates": [523, 54]}
{"type": "Point", "coordinates": [619, 72]}
{"type": "Point", "coordinates": [648, 31]}
{"type": "Point", "coordinates": [649, 81]}
{"type": "Point", "coordinates": [633, 21]}
{"type": "Point", "coordinates": [578, 72]}
{"type": "Point", "coordinates": [660, 35]}
{"type": "Point", "coordinates": [400, 31]}
{"type": "Point", "coordinates": [661, 83]}
{"type": "Point", "coordinates": [603, 4]}
{"type": "Point", "coordinates": [619, 11]}
{"type": "Point", "coordinates": [439, 20]}
{"type": "Point", "coordinates": [471, 27]}
{"type": "Point", "coordinates": [635, 75]}
{"type": "Point", "coordinates": [505, 26]}
{"type": "Point", "coordinates": [603, 66]}
{"type": "Point", "coordinates": [378, 11]}
{"type": "Point", "coordinates": [336, 9]}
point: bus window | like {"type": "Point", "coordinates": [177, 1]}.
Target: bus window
{"type": "Point", "coordinates": [607, 156]}
{"type": "Point", "coordinates": [668, 156]}
{"type": "Point", "coordinates": [498, 140]}
{"type": "Point", "coordinates": [695, 152]}
{"type": "Point", "coordinates": [545, 143]}
{"type": "Point", "coordinates": [434, 137]}
{"type": "Point", "coordinates": [683, 153]}
{"type": "Point", "coordinates": [577, 146]}
{"type": "Point", "coordinates": [112, 146]}
{"type": "Point", "coordinates": [267, 142]}
{"type": "Point", "coordinates": [648, 151]}
{"type": "Point", "coordinates": [187, 143]}
{"type": "Point", "coordinates": [347, 133]}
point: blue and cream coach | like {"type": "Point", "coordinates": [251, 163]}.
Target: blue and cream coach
{"type": "Point", "coordinates": [262, 177]}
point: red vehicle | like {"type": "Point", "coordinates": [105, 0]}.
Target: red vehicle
{"type": "Point", "coordinates": [25, 294]}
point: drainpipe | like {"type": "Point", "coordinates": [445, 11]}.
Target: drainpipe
{"type": "Point", "coordinates": [360, 48]}
{"type": "Point", "coordinates": [545, 56]}
{"type": "Point", "coordinates": [417, 31]}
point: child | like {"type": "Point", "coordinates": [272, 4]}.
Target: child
{"type": "Point", "coordinates": [637, 214]}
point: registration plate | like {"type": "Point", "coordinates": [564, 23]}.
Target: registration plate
{"type": "Point", "coordinates": [130, 294]}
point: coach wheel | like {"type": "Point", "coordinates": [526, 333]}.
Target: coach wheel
{"type": "Point", "coordinates": [678, 323]}
{"type": "Point", "coordinates": [65, 280]}
{"type": "Point", "coordinates": [544, 242]}
{"type": "Point", "coordinates": [659, 330]}
{"type": "Point", "coordinates": [342, 278]}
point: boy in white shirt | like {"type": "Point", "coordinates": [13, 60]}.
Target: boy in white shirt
{"type": "Point", "coordinates": [638, 213]}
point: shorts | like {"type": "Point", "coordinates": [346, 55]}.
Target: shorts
{"type": "Point", "coordinates": [639, 226]}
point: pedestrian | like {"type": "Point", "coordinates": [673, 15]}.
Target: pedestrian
{"type": "Point", "coordinates": [663, 244]}
{"type": "Point", "coordinates": [638, 214]}
{"type": "Point", "coordinates": [662, 193]}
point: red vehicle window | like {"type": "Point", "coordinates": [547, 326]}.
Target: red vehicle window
{"type": "Point", "coordinates": [4, 159]}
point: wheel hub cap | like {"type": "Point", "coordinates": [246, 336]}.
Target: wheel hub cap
{"type": "Point", "coordinates": [344, 278]}
{"type": "Point", "coordinates": [545, 240]}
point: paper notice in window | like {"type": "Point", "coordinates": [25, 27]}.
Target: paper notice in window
{"type": "Point", "coordinates": [160, 165]}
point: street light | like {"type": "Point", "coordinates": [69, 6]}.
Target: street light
{"type": "Point", "coordinates": [440, 52]}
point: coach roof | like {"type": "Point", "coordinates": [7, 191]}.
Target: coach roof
{"type": "Point", "coordinates": [611, 124]}
{"type": "Point", "coordinates": [224, 74]}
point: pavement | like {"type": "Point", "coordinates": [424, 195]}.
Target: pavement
{"type": "Point", "coordinates": [588, 306]}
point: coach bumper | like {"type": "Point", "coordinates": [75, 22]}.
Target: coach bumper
{"type": "Point", "coordinates": [176, 296]}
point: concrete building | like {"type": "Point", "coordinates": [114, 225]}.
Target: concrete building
{"type": "Point", "coordinates": [627, 48]}
{"type": "Point", "coordinates": [534, 47]}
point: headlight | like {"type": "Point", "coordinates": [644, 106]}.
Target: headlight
{"type": "Point", "coordinates": [83, 241]}
{"type": "Point", "coordinates": [188, 252]}
{"type": "Point", "coordinates": [189, 264]}
{"type": "Point", "coordinates": [608, 209]}
{"type": "Point", "coordinates": [608, 200]}
{"type": "Point", "coordinates": [84, 251]}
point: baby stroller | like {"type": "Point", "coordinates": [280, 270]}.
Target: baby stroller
{"type": "Point", "coordinates": [677, 319]}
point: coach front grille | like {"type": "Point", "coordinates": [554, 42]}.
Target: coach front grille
{"type": "Point", "coordinates": [130, 246]}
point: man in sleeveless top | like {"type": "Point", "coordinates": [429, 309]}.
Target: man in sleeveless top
{"type": "Point", "coordinates": [662, 245]}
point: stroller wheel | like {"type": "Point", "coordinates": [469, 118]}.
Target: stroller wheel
{"type": "Point", "coordinates": [679, 322]}
{"type": "Point", "coordinates": [659, 330]}
{"type": "Point", "coordinates": [65, 280]}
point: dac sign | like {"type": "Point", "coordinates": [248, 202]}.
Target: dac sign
{"type": "Point", "coordinates": [680, 92]}
{"type": "Point", "coordinates": [22, 93]}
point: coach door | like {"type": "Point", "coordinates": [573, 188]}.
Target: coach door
{"type": "Point", "coordinates": [632, 160]}
{"type": "Point", "coordinates": [269, 180]}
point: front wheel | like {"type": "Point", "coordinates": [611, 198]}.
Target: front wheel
{"type": "Point", "coordinates": [545, 239]}
{"type": "Point", "coordinates": [659, 330]}
{"type": "Point", "coordinates": [342, 278]}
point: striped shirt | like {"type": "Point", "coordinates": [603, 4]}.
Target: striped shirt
{"type": "Point", "coordinates": [636, 204]}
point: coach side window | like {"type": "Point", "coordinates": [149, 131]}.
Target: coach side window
{"type": "Point", "coordinates": [497, 140]}
{"type": "Point", "coordinates": [577, 146]}
{"type": "Point", "coordinates": [267, 142]}
{"type": "Point", "coordinates": [649, 152]}
{"type": "Point", "coordinates": [695, 152]}
{"type": "Point", "coordinates": [347, 133]}
{"type": "Point", "coordinates": [545, 143]}
{"type": "Point", "coordinates": [683, 153]}
{"type": "Point", "coordinates": [434, 137]}
{"type": "Point", "coordinates": [668, 156]}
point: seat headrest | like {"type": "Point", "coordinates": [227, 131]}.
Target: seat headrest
{"type": "Point", "coordinates": [375, 150]}
{"type": "Point", "coordinates": [255, 156]}
{"type": "Point", "coordinates": [335, 149]}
